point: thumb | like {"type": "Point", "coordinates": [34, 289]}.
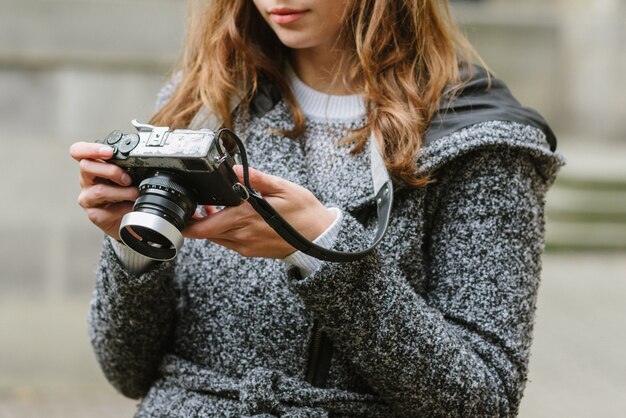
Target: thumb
{"type": "Point", "coordinates": [261, 182]}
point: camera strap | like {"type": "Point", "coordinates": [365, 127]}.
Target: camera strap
{"type": "Point", "coordinates": [383, 198]}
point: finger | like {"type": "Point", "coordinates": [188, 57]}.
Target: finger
{"type": "Point", "coordinates": [108, 219]}
{"type": "Point", "coordinates": [216, 224]}
{"type": "Point", "coordinates": [255, 247]}
{"type": "Point", "coordinates": [197, 215]}
{"type": "Point", "coordinates": [90, 170]}
{"type": "Point", "coordinates": [206, 227]}
{"type": "Point", "coordinates": [210, 210]}
{"type": "Point", "coordinates": [231, 245]}
{"type": "Point", "coordinates": [262, 182]}
{"type": "Point", "coordinates": [236, 246]}
{"type": "Point", "coordinates": [110, 215]}
{"type": "Point", "coordinates": [205, 211]}
{"type": "Point", "coordinates": [101, 194]}
{"type": "Point", "coordinates": [90, 150]}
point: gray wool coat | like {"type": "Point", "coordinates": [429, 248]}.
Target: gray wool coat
{"type": "Point", "coordinates": [437, 321]}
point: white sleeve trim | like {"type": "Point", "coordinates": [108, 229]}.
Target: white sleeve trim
{"type": "Point", "coordinates": [308, 264]}
{"type": "Point", "coordinates": [134, 262]}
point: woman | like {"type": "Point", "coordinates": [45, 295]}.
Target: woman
{"type": "Point", "coordinates": [436, 321]}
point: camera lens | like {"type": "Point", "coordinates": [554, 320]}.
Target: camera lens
{"type": "Point", "coordinates": [159, 214]}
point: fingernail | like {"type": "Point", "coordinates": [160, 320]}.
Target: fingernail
{"type": "Point", "coordinates": [126, 180]}
{"type": "Point", "coordinates": [104, 151]}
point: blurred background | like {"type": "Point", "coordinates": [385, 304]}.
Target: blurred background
{"type": "Point", "coordinates": [76, 69]}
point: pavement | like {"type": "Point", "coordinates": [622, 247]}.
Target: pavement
{"type": "Point", "coordinates": [577, 367]}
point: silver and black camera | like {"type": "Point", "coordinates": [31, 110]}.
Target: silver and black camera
{"type": "Point", "coordinates": [174, 171]}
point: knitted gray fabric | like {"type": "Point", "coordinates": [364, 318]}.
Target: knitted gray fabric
{"type": "Point", "coordinates": [437, 321]}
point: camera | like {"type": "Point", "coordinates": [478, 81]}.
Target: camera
{"type": "Point", "coordinates": [175, 170]}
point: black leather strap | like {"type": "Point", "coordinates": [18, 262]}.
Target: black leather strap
{"type": "Point", "coordinates": [384, 202]}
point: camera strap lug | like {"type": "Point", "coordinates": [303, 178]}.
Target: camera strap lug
{"type": "Point", "coordinates": [242, 191]}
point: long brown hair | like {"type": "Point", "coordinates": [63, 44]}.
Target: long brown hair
{"type": "Point", "coordinates": [406, 55]}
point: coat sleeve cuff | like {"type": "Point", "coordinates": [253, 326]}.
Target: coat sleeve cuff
{"type": "Point", "coordinates": [307, 264]}
{"type": "Point", "coordinates": [134, 262]}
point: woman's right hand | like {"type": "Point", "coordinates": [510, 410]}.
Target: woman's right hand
{"type": "Point", "coordinates": [107, 194]}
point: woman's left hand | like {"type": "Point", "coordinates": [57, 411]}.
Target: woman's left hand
{"type": "Point", "coordinates": [243, 230]}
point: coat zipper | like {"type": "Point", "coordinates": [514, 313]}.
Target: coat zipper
{"type": "Point", "coordinates": [320, 355]}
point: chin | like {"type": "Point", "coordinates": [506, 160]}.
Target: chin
{"type": "Point", "coordinates": [295, 41]}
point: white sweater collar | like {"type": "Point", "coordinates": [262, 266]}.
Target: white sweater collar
{"type": "Point", "coordinates": [318, 105]}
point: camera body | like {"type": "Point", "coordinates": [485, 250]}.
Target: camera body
{"type": "Point", "coordinates": [174, 171]}
{"type": "Point", "coordinates": [190, 154]}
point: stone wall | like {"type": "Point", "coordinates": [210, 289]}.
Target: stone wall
{"type": "Point", "coordinates": [69, 70]}
{"type": "Point", "coordinates": [83, 66]}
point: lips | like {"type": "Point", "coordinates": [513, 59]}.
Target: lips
{"type": "Point", "coordinates": [285, 15]}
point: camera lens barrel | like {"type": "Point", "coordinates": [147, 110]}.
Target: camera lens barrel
{"type": "Point", "coordinates": [159, 214]}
